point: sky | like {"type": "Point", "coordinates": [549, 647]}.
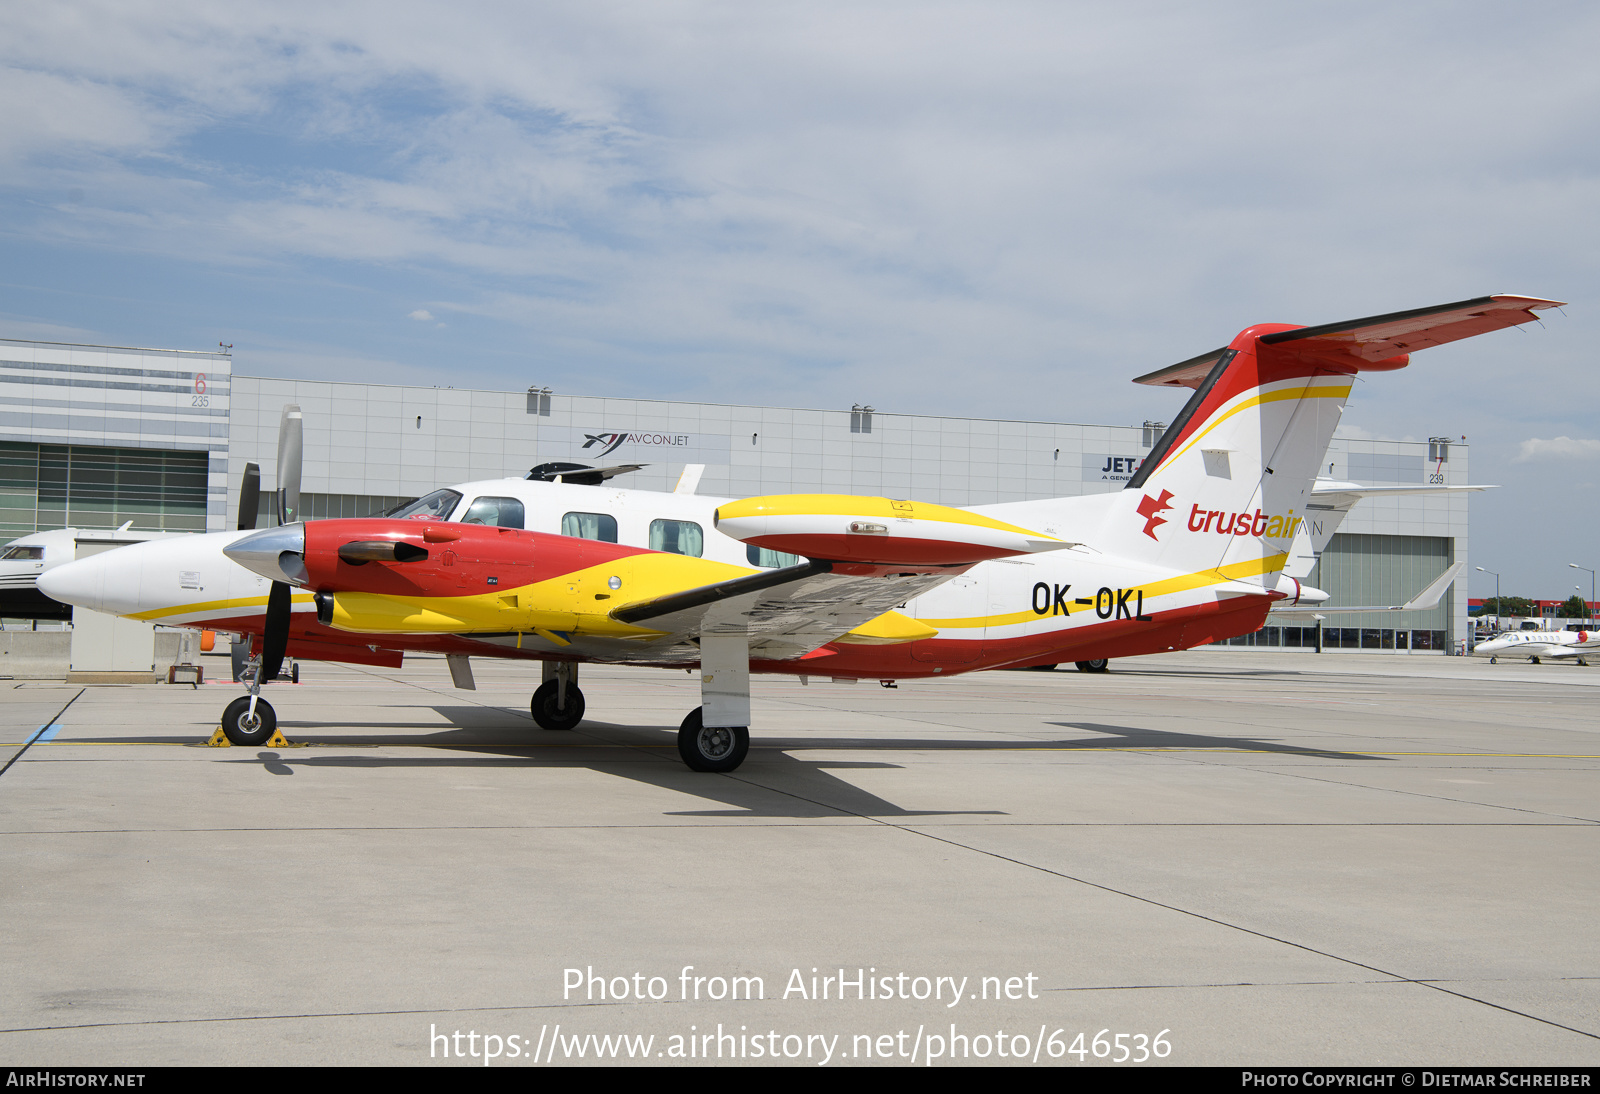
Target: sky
{"type": "Point", "coordinates": [989, 209]}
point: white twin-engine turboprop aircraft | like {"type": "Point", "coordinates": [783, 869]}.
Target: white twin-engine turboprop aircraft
{"type": "Point", "coordinates": [1193, 550]}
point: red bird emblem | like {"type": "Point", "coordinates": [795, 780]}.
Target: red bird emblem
{"type": "Point", "coordinates": [1149, 507]}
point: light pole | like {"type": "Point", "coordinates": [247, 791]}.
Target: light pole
{"type": "Point", "coordinates": [1575, 566]}
{"type": "Point", "coordinates": [1497, 605]}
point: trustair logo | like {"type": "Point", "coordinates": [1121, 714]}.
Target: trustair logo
{"type": "Point", "coordinates": [1258, 524]}
{"type": "Point", "coordinates": [1149, 507]}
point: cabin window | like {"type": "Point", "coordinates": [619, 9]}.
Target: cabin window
{"type": "Point", "coordinates": [495, 512]}
{"type": "Point", "coordinates": [769, 560]}
{"type": "Point", "coordinates": [678, 537]}
{"type": "Point", "coordinates": [436, 506]}
{"type": "Point", "coordinates": [597, 526]}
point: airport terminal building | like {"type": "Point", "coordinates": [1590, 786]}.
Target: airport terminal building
{"type": "Point", "coordinates": [96, 436]}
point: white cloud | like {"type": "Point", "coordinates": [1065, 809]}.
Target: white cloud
{"type": "Point", "coordinates": [1559, 448]}
{"type": "Point", "coordinates": [834, 201]}
{"type": "Point", "coordinates": [422, 315]}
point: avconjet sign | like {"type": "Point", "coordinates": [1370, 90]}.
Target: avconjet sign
{"type": "Point", "coordinates": [602, 442]}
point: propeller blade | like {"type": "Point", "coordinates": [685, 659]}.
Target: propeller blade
{"type": "Point", "coordinates": [249, 497]}
{"type": "Point", "coordinates": [290, 447]}
{"type": "Point", "coordinates": [275, 640]}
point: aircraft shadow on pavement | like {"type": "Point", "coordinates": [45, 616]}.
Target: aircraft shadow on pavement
{"type": "Point", "coordinates": [770, 784]}
{"type": "Point", "coordinates": [1134, 737]}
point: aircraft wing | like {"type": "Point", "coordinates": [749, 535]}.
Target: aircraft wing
{"type": "Point", "coordinates": [789, 612]}
{"type": "Point", "coordinates": [1426, 599]}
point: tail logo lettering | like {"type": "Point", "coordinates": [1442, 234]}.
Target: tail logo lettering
{"type": "Point", "coordinates": [1258, 524]}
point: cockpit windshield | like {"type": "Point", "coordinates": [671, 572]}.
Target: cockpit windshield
{"type": "Point", "coordinates": [23, 552]}
{"type": "Point", "coordinates": [436, 506]}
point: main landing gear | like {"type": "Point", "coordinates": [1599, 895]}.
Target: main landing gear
{"type": "Point", "coordinates": [557, 703]}
{"type": "Point", "coordinates": [715, 737]}
{"type": "Point", "coordinates": [711, 748]}
{"type": "Point", "coordinates": [1099, 664]}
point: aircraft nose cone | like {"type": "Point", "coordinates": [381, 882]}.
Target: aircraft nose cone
{"type": "Point", "coordinates": [81, 583]}
{"type": "Point", "coordinates": [277, 554]}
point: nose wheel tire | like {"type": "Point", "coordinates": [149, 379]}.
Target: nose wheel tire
{"type": "Point", "coordinates": [1099, 664]}
{"type": "Point", "coordinates": [243, 728]}
{"type": "Point", "coordinates": [548, 716]}
{"type": "Point", "coordinates": [711, 748]}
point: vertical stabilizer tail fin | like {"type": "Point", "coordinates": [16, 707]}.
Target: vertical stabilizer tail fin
{"type": "Point", "coordinates": [1228, 484]}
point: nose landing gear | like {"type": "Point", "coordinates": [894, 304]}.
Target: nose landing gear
{"type": "Point", "coordinates": [250, 719]}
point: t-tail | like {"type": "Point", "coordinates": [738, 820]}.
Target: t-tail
{"type": "Point", "coordinates": [1226, 487]}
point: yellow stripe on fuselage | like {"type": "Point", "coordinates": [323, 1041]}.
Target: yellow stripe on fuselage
{"type": "Point", "coordinates": [209, 607]}
{"type": "Point", "coordinates": [1233, 571]}
{"type": "Point", "coordinates": [576, 602]}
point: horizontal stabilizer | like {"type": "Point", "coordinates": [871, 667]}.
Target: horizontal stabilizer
{"type": "Point", "coordinates": [1362, 343]}
{"type": "Point", "coordinates": [1428, 598]}
{"type": "Point", "coordinates": [1327, 487]}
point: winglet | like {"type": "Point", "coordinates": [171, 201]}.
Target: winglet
{"type": "Point", "coordinates": [1430, 596]}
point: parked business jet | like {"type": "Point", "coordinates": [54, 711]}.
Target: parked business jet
{"type": "Point", "coordinates": [23, 560]}
{"type": "Point", "coordinates": [1192, 551]}
{"type": "Point", "coordinates": [1536, 645]}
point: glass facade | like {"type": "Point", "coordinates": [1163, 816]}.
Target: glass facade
{"type": "Point", "coordinates": [44, 486]}
{"type": "Point", "coordinates": [1376, 639]}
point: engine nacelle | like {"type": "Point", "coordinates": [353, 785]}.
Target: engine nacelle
{"type": "Point", "coordinates": [877, 531]}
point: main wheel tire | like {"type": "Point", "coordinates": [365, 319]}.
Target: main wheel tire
{"type": "Point", "coordinates": [545, 713]}
{"type": "Point", "coordinates": [1533, 660]}
{"type": "Point", "coordinates": [1099, 664]}
{"type": "Point", "coordinates": [713, 748]}
{"type": "Point", "coordinates": [1494, 660]}
{"type": "Point", "coordinates": [240, 728]}
{"type": "Point", "coordinates": [294, 673]}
